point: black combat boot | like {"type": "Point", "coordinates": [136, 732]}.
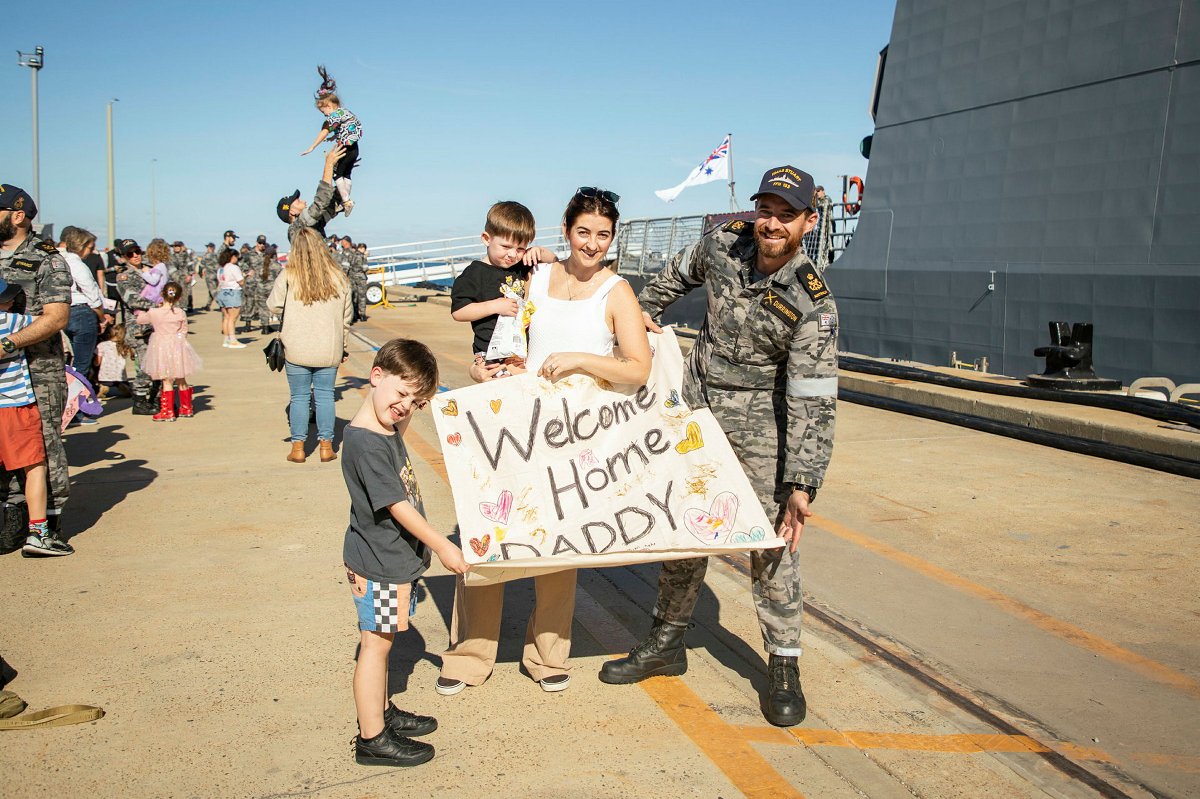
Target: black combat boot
{"type": "Point", "coordinates": [661, 654]}
{"type": "Point", "coordinates": [145, 404]}
{"type": "Point", "coordinates": [784, 704]}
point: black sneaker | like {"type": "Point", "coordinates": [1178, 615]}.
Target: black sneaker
{"type": "Point", "coordinates": [389, 749]}
{"type": "Point", "coordinates": [402, 722]}
{"type": "Point", "coordinates": [45, 546]}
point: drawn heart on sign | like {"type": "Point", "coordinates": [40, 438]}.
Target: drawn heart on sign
{"type": "Point", "coordinates": [672, 399]}
{"type": "Point", "coordinates": [480, 545]}
{"type": "Point", "coordinates": [495, 405]}
{"type": "Point", "coordinates": [587, 458]}
{"type": "Point", "coordinates": [717, 522]}
{"type": "Point", "coordinates": [450, 408]}
{"type": "Point", "coordinates": [454, 439]}
{"type": "Point", "coordinates": [693, 441]}
{"type": "Point", "coordinates": [755, 534]}
{"type": "Point", "coordinates": [498, 511]}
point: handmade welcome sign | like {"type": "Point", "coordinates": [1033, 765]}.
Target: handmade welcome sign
{"type": "Point", "coordinates": [579, 473]}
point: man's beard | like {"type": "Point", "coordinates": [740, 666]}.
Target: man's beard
{"type": "Point", "coordinates": [7, 229]}
{"type": "Point", "coordinates": [777, 248]}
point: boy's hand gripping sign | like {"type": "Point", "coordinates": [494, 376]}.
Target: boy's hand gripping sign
{"type": "Point", "coordinates": [579, 473]}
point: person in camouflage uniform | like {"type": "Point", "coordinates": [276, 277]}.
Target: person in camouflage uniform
{"type": "Point", "coordinates": [355, 267]}
{"type": "Point", "coordinates": [180, 269]}
{"type": "Point", "coordinates": [137, 336]}
{"type": "Point", "coordinates": [36, 265]}
{"type": "Point", "coordinates": [765, 364]}
{"type": "Point", "coordinates": [296, 214]}
{"type": "Point", "coordinates": [272, 269]}
{"type": "Point", "coordinates": [208, 270]}
{"type": "Point", "coordinates": [253, 292]}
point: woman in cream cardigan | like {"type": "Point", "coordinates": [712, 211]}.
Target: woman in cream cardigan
{"type": "Point", "coordinates": [313, 297]}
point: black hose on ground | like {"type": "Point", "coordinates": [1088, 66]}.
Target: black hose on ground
{"type": "Point", "coordinates": [1151, 409]}
{"type": "Point", "coordinates": [1099, 449]}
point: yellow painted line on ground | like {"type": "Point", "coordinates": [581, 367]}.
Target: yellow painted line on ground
{"type": "Point", "coordinates": [1069, 632]}
{"type": "Point", "coordinates": [723, 743]}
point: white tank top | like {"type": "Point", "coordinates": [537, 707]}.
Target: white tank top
{"type": "Point", "coordinates": [567, 325]}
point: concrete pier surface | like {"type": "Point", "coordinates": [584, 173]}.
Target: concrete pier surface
{"type": "Point", "coordinates": [988, 618]}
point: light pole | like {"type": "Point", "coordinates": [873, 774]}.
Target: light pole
{"type": "Point", "coordinates": [153, 202]}
{"type": "Point", "coordinates": [34, 61]}
{"type": "Point", "coordinates": [112, 191]}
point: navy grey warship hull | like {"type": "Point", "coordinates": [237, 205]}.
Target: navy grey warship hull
{"type": "Point", "coordinates": [1032, 162]}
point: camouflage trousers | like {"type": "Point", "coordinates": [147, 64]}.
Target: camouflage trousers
{"type": "Point", "coordinates": [359, 282]}
{"type": "Point", "coordinates": [774, 573]}
{"type": "Point", "coordinates": [252, 303]}
{"type": "Point", "coordinates": [51, 401]}
{"type": "Point", "coordinates": [142, 383]}
{"type": "Point", "coordinates": [210, 282]}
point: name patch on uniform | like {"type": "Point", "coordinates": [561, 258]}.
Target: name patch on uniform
{"type": "Point", "coordinates": [24, 263]}
{"type": "Point", "coordinates": [826, 321]}
{"type": "Point", "coordinates": [780, 307]}
{"type": "Point", "coordinates": [815, 287]}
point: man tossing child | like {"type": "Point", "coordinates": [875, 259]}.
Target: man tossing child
{"type": "Point", "coordinates": [388, 544]}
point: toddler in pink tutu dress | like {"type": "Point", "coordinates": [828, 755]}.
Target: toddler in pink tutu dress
{"type": "Point", "coordinates": [169, 356]}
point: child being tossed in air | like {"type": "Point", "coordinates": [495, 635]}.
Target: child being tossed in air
{"type": "Point", "coordinates": [342, 126]}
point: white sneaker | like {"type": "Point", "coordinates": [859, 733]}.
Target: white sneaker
{"type": "Point", "coordinates": [448, 687]}
{"type": "Point", "coordinates": [558, 682]}
{"type": "Point", "coordinates": [347, 207]}
{"type": "Point", "coordinates": [236, 345]}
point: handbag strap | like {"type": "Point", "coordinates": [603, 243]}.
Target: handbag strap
{"type": "Point", "coordinates": [59, 716]}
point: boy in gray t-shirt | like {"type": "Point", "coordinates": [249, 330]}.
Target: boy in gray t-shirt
{"type": "Point", "coordinates": [387, 545]}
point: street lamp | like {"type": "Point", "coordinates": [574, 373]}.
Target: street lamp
{"type": "Point", "coordinates": [112, 191]}
{"type": "Point", "coordinates": [35, 61]}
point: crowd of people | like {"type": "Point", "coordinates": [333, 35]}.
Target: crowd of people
{"type": "Point", "coordinates": [118, 317]}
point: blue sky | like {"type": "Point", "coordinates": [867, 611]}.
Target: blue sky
{"type": "Point", "coordinates": [462, 105]}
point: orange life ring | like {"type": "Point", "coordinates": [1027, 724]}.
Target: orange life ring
{"type": "Point", "coordinates": [853, 208]}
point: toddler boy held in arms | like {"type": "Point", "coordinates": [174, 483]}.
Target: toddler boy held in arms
{"type": "Point", "coordinates": [388, 544]}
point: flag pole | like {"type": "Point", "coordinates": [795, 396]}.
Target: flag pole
{"type": "Point", "coordinates": [733, 203]}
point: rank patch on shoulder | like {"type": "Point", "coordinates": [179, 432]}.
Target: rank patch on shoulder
{"type": "Point", "coordinates": [24, 263]}
{"type": "Point", "coordinates": [826, 321]}
{"type": "Point", "coordinates": [738, 226]}
{"type": "Point", "coordinates": [815, 287]}
{"type": "Point", "coordinates": [780, 307]}
{"type": "Point", "coordinates": [46, 246]}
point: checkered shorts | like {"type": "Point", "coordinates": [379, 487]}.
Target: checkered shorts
{"type": "Point", "coordinates": [382, 607]}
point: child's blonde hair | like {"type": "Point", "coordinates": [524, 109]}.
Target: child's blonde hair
{"type": "Point", "coordinates": [157, 252]}
{"type": "Point", "coordinates": [116, 334]}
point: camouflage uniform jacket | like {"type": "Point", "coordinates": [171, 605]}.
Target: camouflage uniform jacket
{"type": "Point", "coordinates": [208, 264]}
{"type": "Point", "coordinates": [317, 213]}
{"type": "Point", "coordinates": [345, 259]}
{"type": "Point", "coordinates": [178, 267]}
{"type": "Point", "coordinates": [129, 285]}
{"type": "Point", "coordinates": [358, 265]}
{"type": "Point", "coordinates": [40, 269]}
{"type": "Point", "coordinates": [252, 265]}
{"type": "Point", "coordinates": [766, 356]}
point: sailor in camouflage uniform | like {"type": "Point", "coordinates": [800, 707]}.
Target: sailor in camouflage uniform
{"type": "Point", "coordinates": [208, 270]}
{"type": "Point", "coordinates": [355, 267]}
{"type": "Point", "coordinates": [39, 269]}
{"type": "Point", "coordinates": [765, 364]}
{"type": "Point", "coordinates": [253, 293]}
{"type": "Point", "coordinates": [129, 285]}
{"type": "Point", "coordinates": [273, 268]}
{"type": "Point", "coordinates": [180, 270]}
{"type": "Point", "coordinates": [295, 213]}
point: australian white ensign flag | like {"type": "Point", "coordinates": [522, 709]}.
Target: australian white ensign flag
{"type": "Point", "coordinates": [715, 167]}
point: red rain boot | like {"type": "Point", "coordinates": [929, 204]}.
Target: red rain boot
{"type": "Point", "coordinates": [166, 407]}
{"type": "Point", "coordinates": [185, 403]}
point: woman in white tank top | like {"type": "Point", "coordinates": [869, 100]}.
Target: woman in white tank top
{"type": "Point", "coordinates": [583, 309]}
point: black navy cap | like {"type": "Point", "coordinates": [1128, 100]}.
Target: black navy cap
{"type": "Point", "coordinates": [14, 198]}
{"type": "Point", "coordinates": [129, 246]}
{"type": "Point", "coordinates": [793, 185]}
{"type": "Point", "coordinates": [262, 239]}
{"type": "Point", "coordinates": [229, 233]}
{"type": "Point", "coordinates": [284, 204]}
{"type": "Point", "coordinates": [8, 290]}
{"type": "Point", "coordinates": [177, 244]}
{"type": "Point", "coordinates": [210, 244]}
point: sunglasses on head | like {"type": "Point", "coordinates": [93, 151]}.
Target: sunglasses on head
{"type": "Point", "coordinates": [603, 194]}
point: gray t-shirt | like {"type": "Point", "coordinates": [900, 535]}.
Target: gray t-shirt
{"type": "Point", "coordinates": [379, 474]}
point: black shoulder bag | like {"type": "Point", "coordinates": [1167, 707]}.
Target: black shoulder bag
{"type": "Point", "coordinates": [274, 349]}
